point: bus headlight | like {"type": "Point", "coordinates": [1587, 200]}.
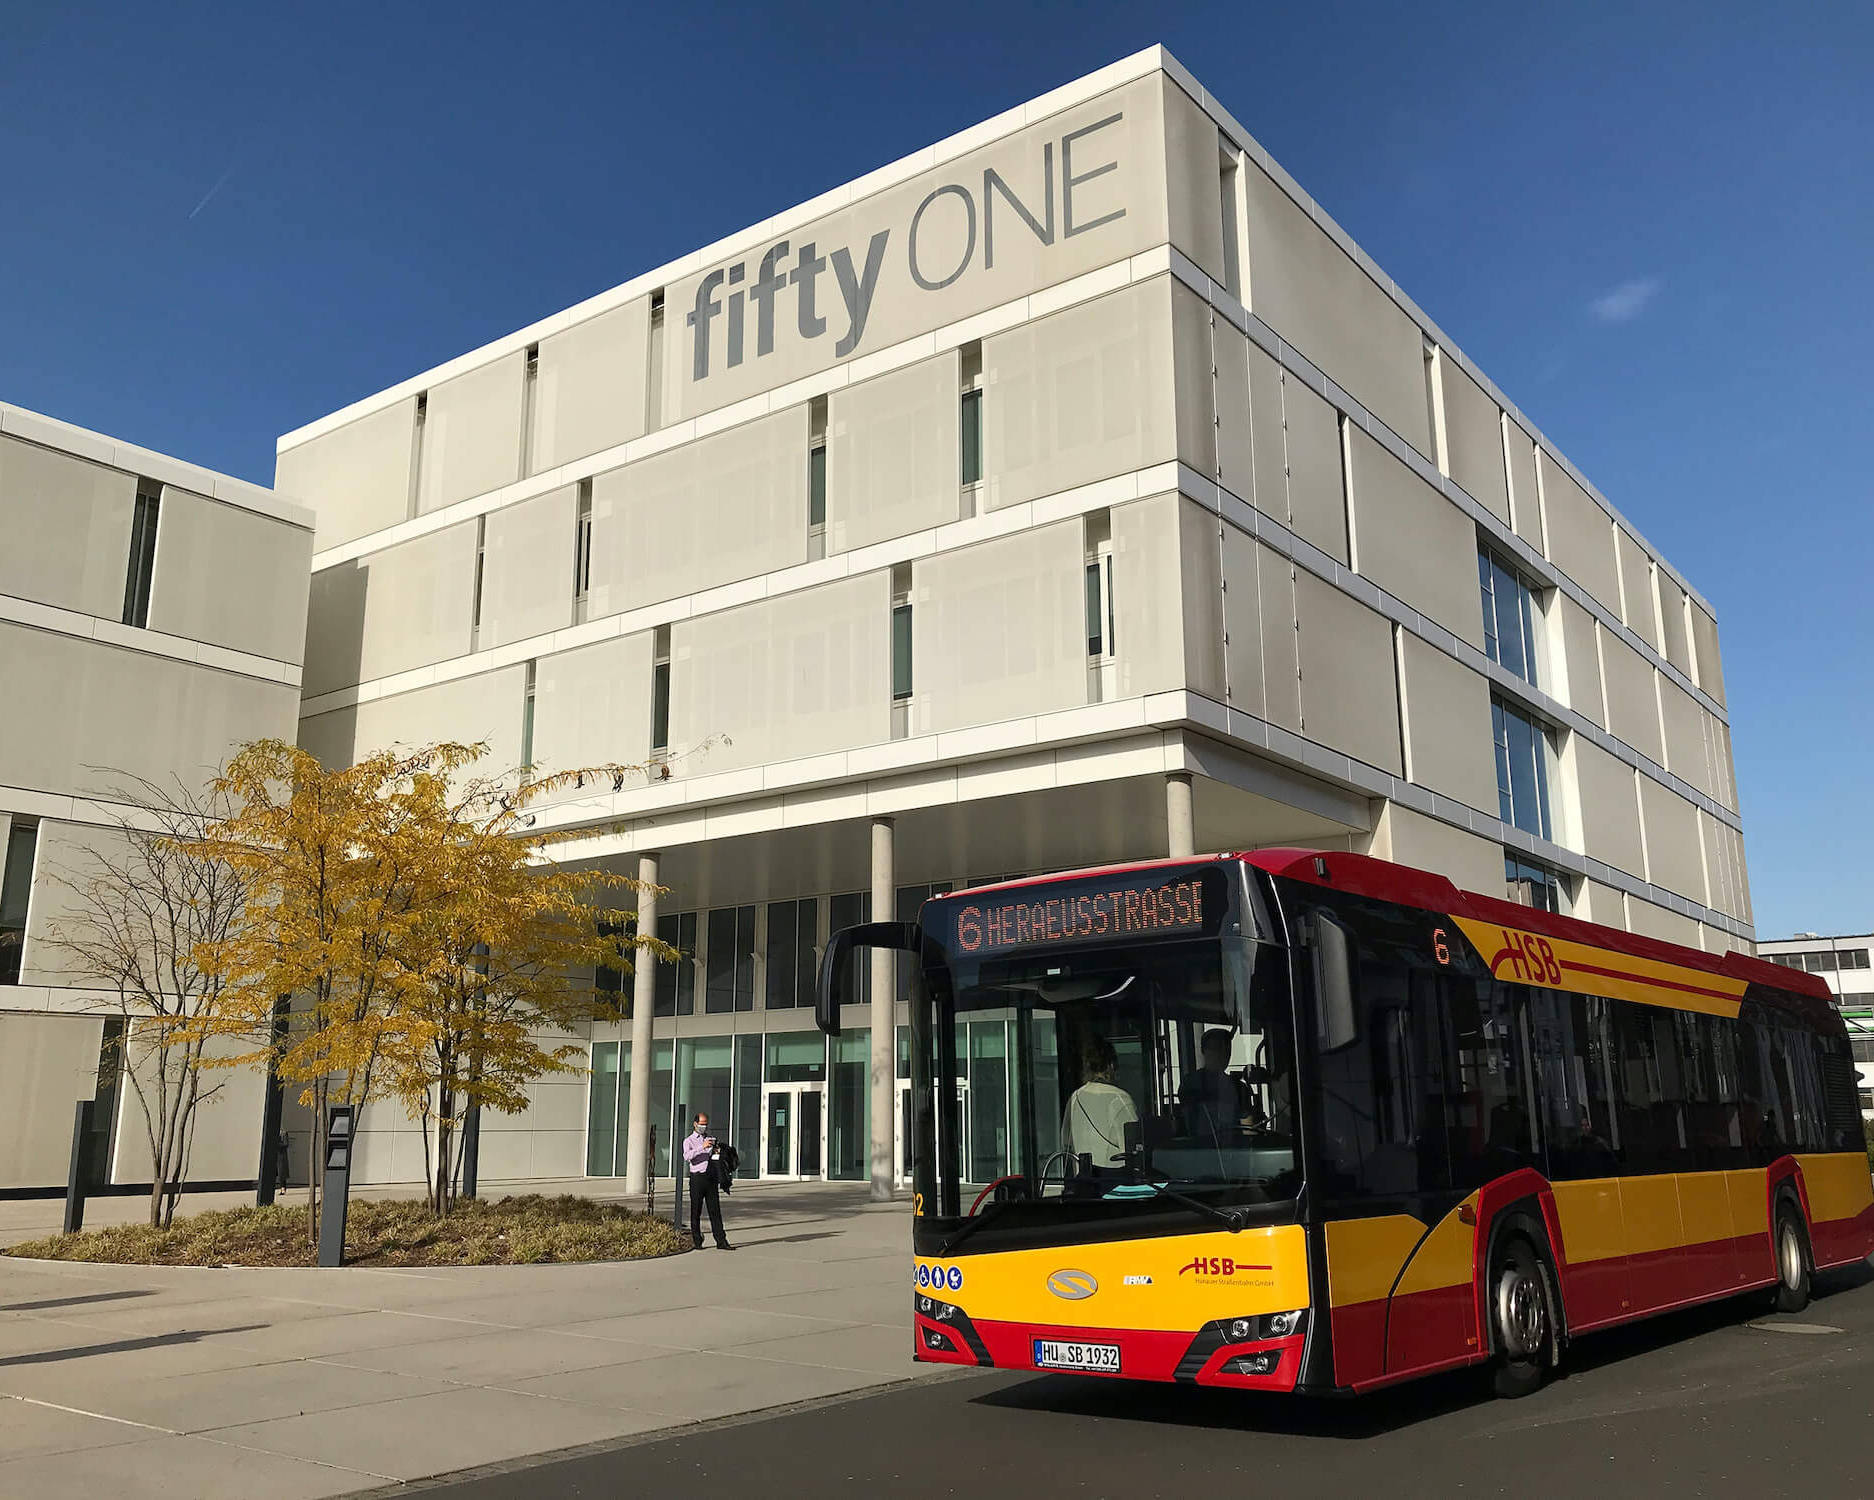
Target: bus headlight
{"type": "Point", "coordinates": [1242, 1329]}
{"type": "Point", "coordinates": [1281, 1325]}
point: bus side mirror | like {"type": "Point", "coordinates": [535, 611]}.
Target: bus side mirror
{"type": "Point", "coordinates": [831, 991]}
{"type": "Point", "coordinates": [829, 994]}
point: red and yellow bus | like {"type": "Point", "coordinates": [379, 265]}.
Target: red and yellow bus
{"type": "Point", "coordinates": [1315, 1122]}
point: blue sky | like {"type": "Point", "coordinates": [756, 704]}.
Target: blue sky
{"type": "Point", "coordinates": [1651, 224]}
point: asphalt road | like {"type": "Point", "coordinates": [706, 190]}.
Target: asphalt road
{"type": "Point", "coordinates": [1698, 1403]}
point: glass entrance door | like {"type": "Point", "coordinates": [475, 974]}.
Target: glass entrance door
{"type": "Point", "coordinates": [793, 1131]}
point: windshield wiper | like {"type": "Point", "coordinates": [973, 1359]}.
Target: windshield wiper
{"type": "Point", "coordinates": [1230, 1218]}
{"type": "Point", "coordinates": [992, 1212]}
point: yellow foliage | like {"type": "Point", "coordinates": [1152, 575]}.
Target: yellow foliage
{"type": "Point", "coordinates": [426, 934]}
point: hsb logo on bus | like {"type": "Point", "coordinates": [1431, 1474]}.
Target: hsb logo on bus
{"type": "Point", "coordinates": [1529, 957]}
{"type": "Point", "coordinates": [1210, 1265]}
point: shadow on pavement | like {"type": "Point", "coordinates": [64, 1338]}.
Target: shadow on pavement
{"type": "Point", "coordinates": [72, 1301]}
{"type": "Point", "coordinates": [126, 1346]}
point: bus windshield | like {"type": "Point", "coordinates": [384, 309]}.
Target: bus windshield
{"type": "Point", "coordinates": [1088, 1051]}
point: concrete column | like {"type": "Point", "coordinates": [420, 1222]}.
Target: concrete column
{"type": "Point", "coordinates": [884, 1014]}
{"type": "Point", "coordinates": [1180, 825]}
{"type": "Point", "coordinates": [643, 1007]}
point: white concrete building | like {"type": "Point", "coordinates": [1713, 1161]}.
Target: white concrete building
{"type": "Point", "coordinates": [1071, 490]}
{"type": "Point", "coordinates": [152, 617]}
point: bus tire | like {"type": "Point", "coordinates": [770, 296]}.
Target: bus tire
{"type": "Point", "coordinates": [1791, 1247]}
{"type": "Point", "coordinates": [1523, 1315]}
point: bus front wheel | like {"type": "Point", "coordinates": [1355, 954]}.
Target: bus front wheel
{"type": "Point", "coordinates": [1792, 1261]}
{"type": "Point", "coordinates": [1522, 1308]}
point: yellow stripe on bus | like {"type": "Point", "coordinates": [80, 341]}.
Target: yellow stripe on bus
{"type": "Point", "coordinates": [1520, 957]}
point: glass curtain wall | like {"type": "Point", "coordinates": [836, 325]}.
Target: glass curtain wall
{"type": "Point", "coordinates": [850, 1122]}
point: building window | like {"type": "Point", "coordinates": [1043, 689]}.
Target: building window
{"type": "Point", "coordinates": [610, 982]}
{"type": "Point", "coordinates": [1531, 884]}
{"type": "Point", "coordinates": [16, 884]}
{"type": "Point", "coordinates": [792, 955]}
{"type": "Point", "coordinates": [1509, 616]}
{"type": "Point", "coordinates": [972, 415]}
{"type": "Point", "coordinates": [900, 652]}
{"type": "Point", "coordinates": [582, 553]}
{"type": "Point", "coordinates": [675, 991]}
{"type": "Point", "coordinates": [729, 975]}
{"type": "Point", "coordinates": [142, 554]}
{"type": "Point", "coordinates": [1522, 749]}
{"type": "Point", "coordinates": [660, 692]}
{"type": "Point", "coordinates": [481, 571]}
{"type": "Point", "coordinates": [527, 721]}
{"type": "Point", "coordinates": [1100, 643]}
{"type": "Point", "coordinates": [816, 487]}
{"type": "Point", "coordinates": [850, 910]}
{"type": "Point", "coordinates": [1853, 958]}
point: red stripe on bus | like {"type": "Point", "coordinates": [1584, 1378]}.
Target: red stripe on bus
{"type": "Point", "coordinates": [1664, 984]}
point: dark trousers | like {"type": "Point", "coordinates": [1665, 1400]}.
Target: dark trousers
{"type": "Point", "coordinates": [703, 1191]}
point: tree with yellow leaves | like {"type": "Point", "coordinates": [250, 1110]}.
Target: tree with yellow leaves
{"type": "Point", "coordinates": [418, 927]}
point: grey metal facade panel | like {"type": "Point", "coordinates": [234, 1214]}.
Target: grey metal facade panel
{"type": "Point", "coordinates": [1194, 206]}
{"type": "Point", "coordinates": [1582, 660]}
{"type": "Point", "coordinates": [1637, 605]}
{"type": "Point", "coordinates": [1306, 288]}
{"type": "Point", "coordinates": [1349, 688]}
{"type": "Point", "coordinates": [729, 506]}
{"type": "Point", "coordinates": [1673, 627]}
{"type": "Point", "coordinates": [408, 606]}
{"type": "Point", "coordinates": [1447, 725]}
{"type": "Point", "coordinates": [1525, 494]}
{"type": "Point", "coordinates": [1609, 811]}
{"type": "Point", "coordinates": [592, 391]}
{"type": "Point", "coordinates": [468, 709]}
{"type": "Point", "coordinates": [356, 478]}
{"type": "Point", "coordinates": [1412, 541]}
{"type": "Point", "coordinates": [47, 1064]}
{"type": "Point", "coordinates": [1710, 675]}
{"type": "Point", "coordinates": [1632, 706]}
{"type": "Point", "coordinates": [1080, 395]}
{"type": "Point", "coordinates": [1317, 490]}
{"type": "Point", "coordinates": [1474, 439]}
{"type": "Point", "coordinates": [893, 447]}
{"type": "Point", "coordinates": [187, 719]}
{"type": "Point", "coordinates": [1580, 535]}
{"type": "Point", "coordinates": [66, 524]}
{"type": "Point", "coordinates": [528, 553]}
{"type": "Point", "coordinates": [230, 577]}
{"type": "Point", "coordinates": [472, 434]}
{"type": "Point", "coordinates": [592, 707]}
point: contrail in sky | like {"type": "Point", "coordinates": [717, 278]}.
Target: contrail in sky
{"type": "Point", "coordinates": [220, 182]}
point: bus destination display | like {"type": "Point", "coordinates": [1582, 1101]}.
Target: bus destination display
{"type": "Point", "coordinates": [1115, 910]}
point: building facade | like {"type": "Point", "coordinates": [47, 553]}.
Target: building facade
{"type": "Point", "coordinates": [152, 617]}
{"type": "Point", "coordinates": [1843, 964]}
{"type": "Point", "coordinates": [1072, 490]}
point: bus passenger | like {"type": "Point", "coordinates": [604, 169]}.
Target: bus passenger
{"type": "Point", "coordinates": [1098, 1112]}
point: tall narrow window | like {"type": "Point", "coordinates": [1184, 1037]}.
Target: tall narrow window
{"type": "Point", "coordinates": [1522, 754]}
{"type": "Point", "coordinates": [816, 478]}
{"type": "Point", "coordinates": [481, 571]}
{"type": "Point", "coordinates": [654, 382]}
{"type": "Point", "coordinates": [16, 883]}
{"type": "Point", "coordinates": [142, 567]}
{"type": "Point", "coordinates": [970, 426]}
{"type": "Point", "coordinates": [527, 722]}
{"type": "Point", "coordinates": [416, 450]}
{"type": "Point", "coordinates": [582, 553]}
{"type": "Point", "coordinates": [660, 691]}
{"type": "Point", "coordinates": [900, 652]}
{"type": "Point", "coordinates": [1100, 604]}
{"type": "Point", "coordinates": [1226, 203]}
{"type": "Point", "coordinates": [530, 382]}
{"type": "Point", "coordinates": [1509, 608]}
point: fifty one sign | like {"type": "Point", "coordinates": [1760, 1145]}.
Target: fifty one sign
{"type": "Point", "coordinates": [1070, 193]}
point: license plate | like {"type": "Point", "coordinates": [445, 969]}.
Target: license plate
{"type": "Point", "coordinates": [1054, 1354]}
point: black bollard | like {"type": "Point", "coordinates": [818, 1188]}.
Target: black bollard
{"type": "Point", "coordinates": [75, 1180]}
{"type": "Point", "coordinates": [337, 1187]}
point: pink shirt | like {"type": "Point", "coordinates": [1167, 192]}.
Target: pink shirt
{"type": "Point", "coordinates": [696, 1150]}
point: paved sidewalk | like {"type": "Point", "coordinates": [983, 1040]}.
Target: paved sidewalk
{"type": "Point", "coordinates": [269, 1384]}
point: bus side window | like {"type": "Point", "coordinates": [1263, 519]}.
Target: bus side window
{"type": "Point", "coordinates": [1492, 1132]}
{"type": "Point", "coordinates": [1568, 1039]}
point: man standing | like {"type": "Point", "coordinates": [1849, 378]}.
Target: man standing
{"type": "Point", "coordinates": [701, 1155]}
